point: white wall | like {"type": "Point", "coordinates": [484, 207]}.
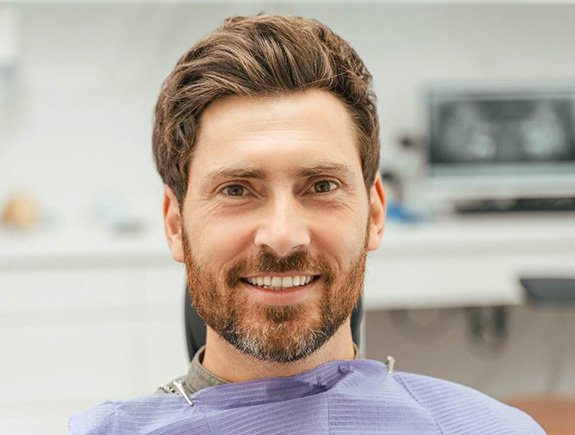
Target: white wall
{"type": "Point", "coordinates": [77, 127]}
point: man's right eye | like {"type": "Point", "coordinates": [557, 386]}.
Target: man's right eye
{"type": "Point", "coordinates": [234, 190]}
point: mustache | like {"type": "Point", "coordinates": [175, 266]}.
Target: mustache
{"type": "Point", "coordinates": [266, 262]}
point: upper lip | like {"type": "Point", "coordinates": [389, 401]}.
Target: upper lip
{"type": "Point", "coordinates": [281, 275]}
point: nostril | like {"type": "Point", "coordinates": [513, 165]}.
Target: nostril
{"type": "Point", "coordinates": [279, 251]}
{"type": "Point", "coordinates": [282, 240]}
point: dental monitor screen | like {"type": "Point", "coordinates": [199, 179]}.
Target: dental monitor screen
{"type": "Point", "coordinates": [502, 144]}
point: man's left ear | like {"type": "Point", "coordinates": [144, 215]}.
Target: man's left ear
{"type": "Point", "coordinates": [377, 206]}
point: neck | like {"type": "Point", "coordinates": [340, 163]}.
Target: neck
{"type": "Point", "coordinates": [228, 363]}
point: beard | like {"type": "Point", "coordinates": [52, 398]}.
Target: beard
{"type": "Point", "coordinates": [274, 333]}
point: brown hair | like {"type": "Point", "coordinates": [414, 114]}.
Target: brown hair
{"type": "Point", "coordinates": [262, 55]}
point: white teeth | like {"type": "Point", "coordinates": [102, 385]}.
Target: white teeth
{"type": "Point", "coordinates": [279, 282]}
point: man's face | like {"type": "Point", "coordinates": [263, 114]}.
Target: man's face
{"type": "Point", "coordinates": [276, 222]}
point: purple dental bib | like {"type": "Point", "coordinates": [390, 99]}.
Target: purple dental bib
{"type": "Point", "coordinates": [339, 397]}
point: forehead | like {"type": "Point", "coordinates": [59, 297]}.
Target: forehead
{"type": "Point", "coordinates": [276, 132]}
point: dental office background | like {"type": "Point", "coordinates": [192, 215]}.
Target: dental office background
{"type": "Point", "coordinates": [91, 304]}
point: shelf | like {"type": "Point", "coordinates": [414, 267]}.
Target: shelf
{"type": "Point", "coordinates": [457, 262]}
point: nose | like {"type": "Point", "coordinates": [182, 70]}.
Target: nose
{"type": "Point", "coordinates": [283, 229]}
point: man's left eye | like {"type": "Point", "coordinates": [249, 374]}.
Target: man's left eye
{"type": "Point", "coordinates": [324, 186]}
{"type": "Point", "coordinates": [234, 190]}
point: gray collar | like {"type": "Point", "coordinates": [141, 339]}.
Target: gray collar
{"type": "Point", "coordinates": [199, 378]}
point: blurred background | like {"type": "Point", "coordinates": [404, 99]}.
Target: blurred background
{"type": "Point", "coordinates": [474, 278]}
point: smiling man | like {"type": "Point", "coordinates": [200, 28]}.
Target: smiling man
{"type": "Point", "coordinates": [274, 229]}
{"type": "Point", "coordinates": [267, 140]}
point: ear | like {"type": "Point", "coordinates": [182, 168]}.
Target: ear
{"type": "Point", "coordinates": [377, 206]}
{"type": "Point", "coordinates": [173, 224]}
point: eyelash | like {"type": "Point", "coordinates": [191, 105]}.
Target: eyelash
{"type": "Point", "coordinates": [223, 190]}
{"type": "Point", "coordinates": [311, 189]}
{"type": "Point", "coordinates": [330, 182]}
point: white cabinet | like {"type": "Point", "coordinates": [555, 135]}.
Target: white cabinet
{"type": "Point", "coordinates": [468, 262]}
{"type": "Point", "coordinates": [74, 338]}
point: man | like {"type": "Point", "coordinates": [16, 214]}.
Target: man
{"type": "Point", "coordinates": [267, 139]}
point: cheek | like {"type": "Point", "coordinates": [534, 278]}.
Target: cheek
{"type": "Point", "coordinates": [342, 239]}
{"type": "Point", "coordinates": [218, 241]}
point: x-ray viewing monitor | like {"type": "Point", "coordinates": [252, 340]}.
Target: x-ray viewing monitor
{"type": "Point", "coordinates": [502, 143]}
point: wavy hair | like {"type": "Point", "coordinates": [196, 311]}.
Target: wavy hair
{"type": "Point", "coordinates": [263, 55]}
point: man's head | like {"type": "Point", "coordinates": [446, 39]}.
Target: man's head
{"type": "Point", "coordinates": [266, 137]}
{"type": "Point", "coordinates": [260, 56]}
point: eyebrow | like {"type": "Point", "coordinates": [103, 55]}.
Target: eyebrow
{"type": "Point", "coordinates": [254, 173]}
{"type": "Point", "coordinates": [225, 173]}
{"type": "Point", "coordinates": [330, 168]}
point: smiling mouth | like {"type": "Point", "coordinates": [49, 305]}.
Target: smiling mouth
{"type": "Point", "coordinates": [279, 283]}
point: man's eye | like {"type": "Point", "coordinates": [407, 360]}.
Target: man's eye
{"type": "Point", "coordinates": [234, 190]}
{"type": "Point", "coordinates": [324, 186]}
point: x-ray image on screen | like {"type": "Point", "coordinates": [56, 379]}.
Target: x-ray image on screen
{"type": "Point", "coordinates": [488, 129]}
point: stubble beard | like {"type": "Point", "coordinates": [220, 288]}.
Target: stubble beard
{"type": "Point", "coordinates": [274, 333]}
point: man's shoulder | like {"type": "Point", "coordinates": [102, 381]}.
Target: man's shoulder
{"type": "Point", "coordinates": [458, 408]}
{"type": "Point", "coordinates": [146, 413]}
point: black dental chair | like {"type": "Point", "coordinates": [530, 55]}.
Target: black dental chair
{"type": "Point", "coordinates": [196, 329]}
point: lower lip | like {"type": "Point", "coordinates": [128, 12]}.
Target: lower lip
{"type": "Point", "coordinates": [294, 295]}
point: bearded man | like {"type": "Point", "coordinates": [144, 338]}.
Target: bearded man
{"type": "Point", "coordinates": [267, 140]}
